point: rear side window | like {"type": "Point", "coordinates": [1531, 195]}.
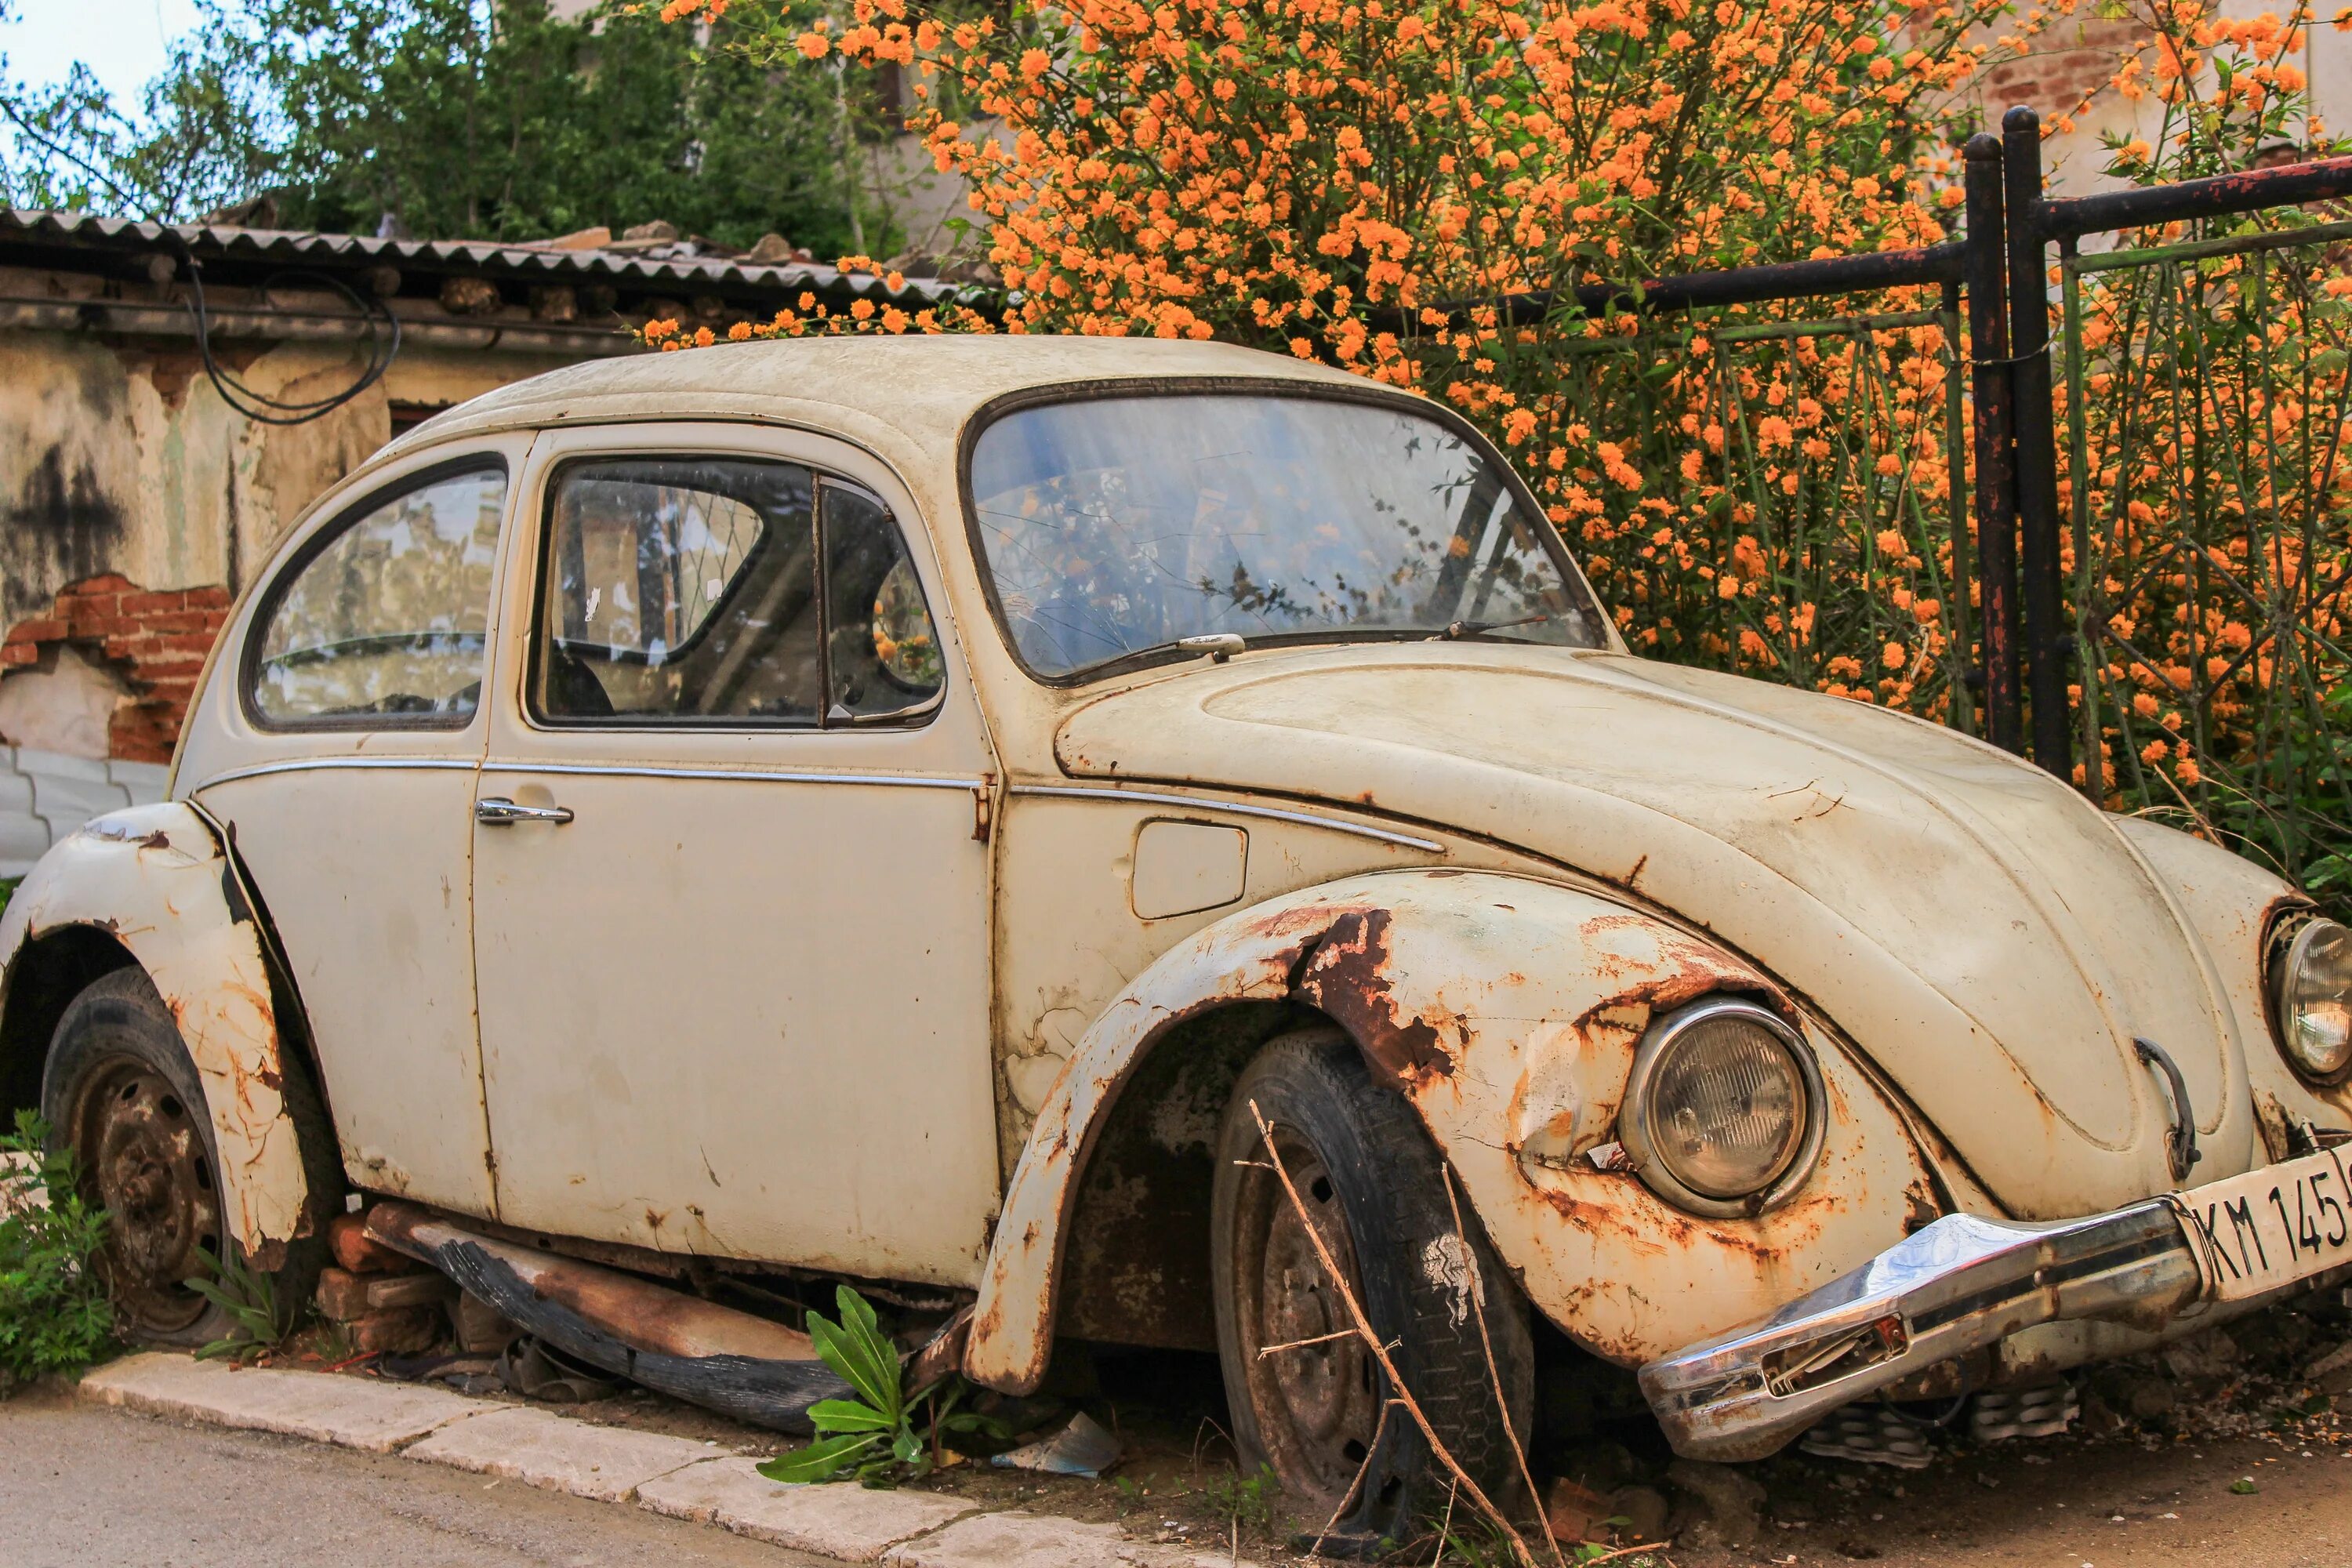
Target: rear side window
{"type": "Point", "coordinates": [384, 624]}
{"type": "Point", "coordinates": [726, 591]}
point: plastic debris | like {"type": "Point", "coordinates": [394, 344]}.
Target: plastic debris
{"type": "Point", "coordinates": [1081, 1449]}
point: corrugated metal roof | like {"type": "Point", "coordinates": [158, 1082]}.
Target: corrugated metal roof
{"type": "Point", "coordinates": [665, 270]}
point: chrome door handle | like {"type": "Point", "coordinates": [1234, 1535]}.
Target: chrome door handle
{"type": "Point", "coordinates": [499, 811]}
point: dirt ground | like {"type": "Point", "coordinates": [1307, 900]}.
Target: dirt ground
{"type": "Point", "coordinates": [2228, 1447]}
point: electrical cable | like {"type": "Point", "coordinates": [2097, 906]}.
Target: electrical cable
{"type": "Point", "coordinates": [383, 324]}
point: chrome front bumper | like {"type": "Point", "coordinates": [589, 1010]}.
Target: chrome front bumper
{"type": "Point", "coordinates": [1955, 1286]}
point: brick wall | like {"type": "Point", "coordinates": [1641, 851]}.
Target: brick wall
{"type": "Point", "coordinates": [2069, 63]}
{"type": "Point", "coordinates": [156, 640]}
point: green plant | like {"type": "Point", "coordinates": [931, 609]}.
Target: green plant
{"type": "Point", "coordinates": [887, 1431]}
{"type": "Point", "coordinates": [256, 1321]}
{"type": "Point", "coordinates": [1246, 1500]}
{"type": "Point", "coordinates": [7, 888]}
{"type": "Point", "coordinates": [53, 1312]}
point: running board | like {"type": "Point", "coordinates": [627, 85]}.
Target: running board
{"type": "Point", "coordinates": [715, 1356]}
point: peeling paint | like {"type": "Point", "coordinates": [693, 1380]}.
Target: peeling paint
{"type": "Point", "coordinates": [152, 876]}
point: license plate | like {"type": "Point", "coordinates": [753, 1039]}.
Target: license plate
{"type": "Point", "coordinates": [2271, 1228]}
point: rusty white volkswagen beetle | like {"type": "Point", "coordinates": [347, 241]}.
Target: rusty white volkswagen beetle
{"type": "Point", "coordinates": [888, 810]}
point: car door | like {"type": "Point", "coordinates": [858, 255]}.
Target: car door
{"type": "Point", "coordinates": [337, 743]}
{"type": "Point", "coordinates": [733, 915]}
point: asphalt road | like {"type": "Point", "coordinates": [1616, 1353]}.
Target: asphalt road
{"type": "Point", "coordinates": [84, 1487]}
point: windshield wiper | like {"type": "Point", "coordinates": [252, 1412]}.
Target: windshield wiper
{"type": "Point", "coordinates": [1461, 629]}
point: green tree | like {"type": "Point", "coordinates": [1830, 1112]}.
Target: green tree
{"type": "Point", "coordinates": [451, 119]}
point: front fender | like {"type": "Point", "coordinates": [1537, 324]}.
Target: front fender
{"type": "Point", "coordinates": [1507, 1010]}
{"type": "Point", "coordinates": [157, 879]}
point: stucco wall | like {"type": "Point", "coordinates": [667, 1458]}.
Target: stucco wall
{"type": "Point", "coordinates": [126, 459]}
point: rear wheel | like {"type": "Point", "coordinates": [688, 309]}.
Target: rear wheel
{"type": "Point", "coordinates": [1372, 1185]}
{"type": "Point", "coordinates": [120, 1090]}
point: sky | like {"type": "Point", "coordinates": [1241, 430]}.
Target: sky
{"type": "Point", "coordinates": [121, 40]}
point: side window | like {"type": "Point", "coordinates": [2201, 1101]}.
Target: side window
{"type": "Point", "coordinates": [725, 591]}
{"type": "Point", "coordinates": [385, 622]}
{"type": "Point", "coordinates": [678, 590]}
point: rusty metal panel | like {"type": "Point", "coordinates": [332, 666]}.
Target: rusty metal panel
{"type": "Point", "coordinates": [1507, 1010]}
{"type": "Point", "coordinates": [156, 880]}
{"type": "Point", "coordinates": [1983, 933]}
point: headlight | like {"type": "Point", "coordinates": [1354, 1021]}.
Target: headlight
{"type": "Point", "coordinates": [1723, 1110]}
{"type": "Point", "coordinates": [2311, 1000]}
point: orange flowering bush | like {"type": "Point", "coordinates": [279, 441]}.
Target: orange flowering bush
{"type": "Point", "coordinates": [2212, 543]}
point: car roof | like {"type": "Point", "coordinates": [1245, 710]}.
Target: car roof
{"type": "Point", "coordinates": [890, 392]}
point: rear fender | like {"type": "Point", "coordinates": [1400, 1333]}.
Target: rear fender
{"type": "Point", "coordinates": [157, 879]}
{"type": "Point", "coordinates": [1506, 1011]}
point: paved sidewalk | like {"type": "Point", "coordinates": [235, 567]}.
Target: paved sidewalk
{"type": "Point", "coordinates": [83, 1485]}
{"type": "Point", "coordinates": [648, 1474]}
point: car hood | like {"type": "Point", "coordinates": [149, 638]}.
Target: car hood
{"type": "Point", "coordinates": [1983, 933]}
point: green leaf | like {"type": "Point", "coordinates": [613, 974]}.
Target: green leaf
{"type": "Point", "coordinates": [869, 1363]}
{"type": "Point", "coordinates": [821, 1460]}
{"type": "Point", "coordinates": [848, 1415]}
{"type": "Point", "coordinates": [838, 1347]}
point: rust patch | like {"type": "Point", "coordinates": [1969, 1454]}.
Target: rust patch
{"type": "Point", "coordinates": [1344, 976]}
{"type": "Point", "coordinates": [1919, 1208]}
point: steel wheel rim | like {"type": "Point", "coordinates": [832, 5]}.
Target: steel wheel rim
{"type": "Point", "coordinates": [1316, 1406]}
{"type": "Point", "coordinates": [144, 1161]}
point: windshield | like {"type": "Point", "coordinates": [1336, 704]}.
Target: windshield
{"type": "Point", "coordinates": [1115, 525]}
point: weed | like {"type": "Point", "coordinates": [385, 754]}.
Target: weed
{"type": "Point", "coordinates": [257, 1322]}
{"type": "Point", "coordinates": [887, 1431]}
{"type": "Point", "coordinates": [53, 1312]}
{"type": "Point", "coordinates": [1246, 1500]}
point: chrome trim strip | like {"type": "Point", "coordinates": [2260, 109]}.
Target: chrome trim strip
{"type": "Point", "coordinates": [746, 775]}
{"type": "Point", "coordinates": [315, 764]}
{"type": "Point", "coordinates": [1198, 803]}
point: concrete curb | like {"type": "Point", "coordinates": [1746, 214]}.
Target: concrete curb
{"type": "Point", "coordinates": [674, 1477]}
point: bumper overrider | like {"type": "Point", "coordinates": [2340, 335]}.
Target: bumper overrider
{"type": "Point", "coordinates": [1964, 1282]}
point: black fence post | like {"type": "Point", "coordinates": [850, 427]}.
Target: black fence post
{"type": "Point", "coordinates": [2032, 407]}
{"type": "Point", "coordinates": [1996, 486]}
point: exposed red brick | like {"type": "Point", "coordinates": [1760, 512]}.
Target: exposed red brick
{"type": "Point", "coordinates": [355, 1250]}
{"type": "Point", "coordinates": [156, 639]}
{"type": "Point", "coordinates": [342, 1295]}
{"type": "Point", "coordinates": [174, 620]}
{"type": "Point", "coordinates": [421, 1289]}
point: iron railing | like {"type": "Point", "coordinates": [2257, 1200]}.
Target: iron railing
{"type": "Point", "coordinates": [2248, 548]}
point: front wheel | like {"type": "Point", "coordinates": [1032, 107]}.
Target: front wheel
{"type": "Point", "coordinates": [1373, 1185]}
{"type": "Point", "coordinates": [121, 1090]}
